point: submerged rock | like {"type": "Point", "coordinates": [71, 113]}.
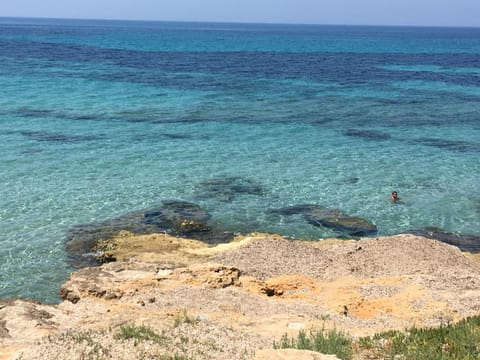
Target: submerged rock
{"type": "Point", "coordinates": [227, 188]}
{"type": "Point", "coordinates": [31, 151]}
{"type": "Point", "coordinates": [452, 145]}
{"type": "Point", "coordinates": [34, 113]}
{"type": "Point", "coordinates": [464, 242]}
{"type": "Point", "coordinates": [301, 209]}
{"type": "Point", "coordinates": [178, 136]}
{"type": "Point", "coordinates": [330, 218]}
{"type": "Point", "coordinates": [174, 217]}
{"type": "Point", "coordinates": [352, 225]}
{"type": "Point", "coordinates": [56, 137]}
{"type": "Point", "coordinates": [82, 239]}
{"type": "Point", "coordinates": [367, 134]}
{"type": "Point", "coordinates": [348, 180]}
{"type": "Point", "coordinates": [180, 216]}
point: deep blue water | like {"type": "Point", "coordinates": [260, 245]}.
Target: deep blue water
{"type": "Point", "coordinates": [101, 118]}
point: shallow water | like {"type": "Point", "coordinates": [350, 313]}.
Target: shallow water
{"type": "Point", "coordinates": [98, 119]}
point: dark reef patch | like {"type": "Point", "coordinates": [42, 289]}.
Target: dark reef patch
{"type": "Point", "coordinates": [400, 101]}
{"type": "Point", "coordinates": [56, 137]}
{"type": "Point", "coordinates": [452, 145]}
{"type": "Point", "coordinates": [35, 113]}
{"type": "Point", "coordinates": [174, 217]}
{"type": "Point", "coordinates": [178, 136]}
{"type": "Point", "coordinates": [28, 112]}
{"type": "Point", "coordinates": [82, 117]}
{"type": "Point", "coordinates": [169, 136]}
{"type": "Point", "coordinates": [184, 218]}
{"type": "Point", "coordinates": [31, 151]}
{"type": "Point", "coordinates": [225, 189]}
{"type": "Point", "coordinates": [302, 209]}
{"type": "Point", "coordinates": [464, 242]}
{"type": "Point", "coordinates": [367, 134]}
{"type": "Point", "coordinates": [333, 219]}
{"type": "Point", "coordinates": [182, 136]}
{"type": "Point", "coordinates": [348, 180]}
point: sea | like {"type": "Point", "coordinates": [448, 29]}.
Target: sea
{"type": "Point", "coordinates": [102, 118]}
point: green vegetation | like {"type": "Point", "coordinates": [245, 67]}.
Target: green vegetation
{"type": "Point", "coordinates": [93, 351]}
{"type": "Point", "coordinates": [325, 342]}
{"type": "Point", "coordinates": [82, 336]}
{"type": "Point", "coordinates": [449, 342]}
{"type": "Point", "coordinates": [183, 318]}
{"type": "Point", "coordinates": [173, 357]}
{"type": "Point", "coordinates": [139, 334]}
{"type": "Point", "coordinates": [145, 333]}
{"type": "Point", "coordinates": [453, 341]}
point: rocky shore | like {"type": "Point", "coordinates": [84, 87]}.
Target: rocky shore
{"type": "Point", "coordinates": [234, 300]}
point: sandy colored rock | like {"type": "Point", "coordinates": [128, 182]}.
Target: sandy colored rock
{"type": "Point", "coordinates": [291, 354]}
{"type": "Point", "coordinates": [165, 250]}
{"type": "Point", "coordinates": [211, 275]}
{"type": "Point", "coordinates": [234, 300]}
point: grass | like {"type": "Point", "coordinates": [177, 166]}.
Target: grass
{"type": "Point", "coordinates": [448, 342]}
{"type": "Point", "coordinates": [139, 334]}
{"type": "Point", "coordinates": [325, 342]}
{"type": "Point", "coordinates": [83, 336]}
{"type": "Point", "coordinates": [183, 318]}
{"type": "Point", "coordinates": [94, 350]}
{"type": "Point", "coordinates": [452, 341]}
{"type": "Point", "coordinates": [145, 333]}
{"type": "Point", "coordinates": [173, 357]}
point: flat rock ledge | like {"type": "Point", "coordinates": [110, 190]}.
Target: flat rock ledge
{"type": "Point", "coordinates": [233, 301]}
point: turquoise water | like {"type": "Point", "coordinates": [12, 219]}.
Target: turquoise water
{"type": "Point", "coordinates": [99, 118]}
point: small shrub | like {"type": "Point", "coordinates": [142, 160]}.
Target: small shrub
{"type": "Point", "coordinates": [183, 318]}
{"type": "Point", "coordinates": [139, 334]}
{"type": "Point", "coordinates": [448, 342]}
{"type": "Point", "coordinates": [366, 342]}
{"type": "Point", "coordinates": [325, 342]}
{"type": "Point", "coordinates": [173, 357]}
{"type": "Point", "coordinates": [82, 336]}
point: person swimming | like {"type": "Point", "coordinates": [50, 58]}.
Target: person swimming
{"type": "Point", "coordinates": [395, 197]}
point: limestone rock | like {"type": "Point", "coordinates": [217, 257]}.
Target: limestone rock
{"type": "Point", "coordinates": [291, 354]}
{"type": "Point", "coordinates": [358, 287]}
{"type": "Point", "coordinates": [108, 281]}
{"type": "Point", "coordinates": [212, 275]}
{"type": "Point", "coordinates": [174, 217]}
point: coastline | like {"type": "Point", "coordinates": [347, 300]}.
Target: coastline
{"type": "Point", "coordinates": [237, 121]}
{"type": "Point", "coordinates": [238, 298]}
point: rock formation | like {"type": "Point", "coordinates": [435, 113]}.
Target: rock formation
{"type": "Point", "coordinates": [233, 301]}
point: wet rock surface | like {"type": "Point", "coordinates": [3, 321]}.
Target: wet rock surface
{"type": "Point", "coordinates": [174, 217]}
{"type": "Point", "coordinates": [469, 243]}
{"type": "Point", "coordinates": [330, 218]}
{"type": "Point", "coordinates": [352, 225]}
{"type": "Point", "coordinates": [178, 216]}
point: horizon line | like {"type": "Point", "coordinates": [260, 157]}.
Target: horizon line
{"type": "Point", "coordinates": [236, 22]}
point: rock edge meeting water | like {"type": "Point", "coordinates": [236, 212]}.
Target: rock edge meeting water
{"type": "Point", "coordinates": [260, 126]}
